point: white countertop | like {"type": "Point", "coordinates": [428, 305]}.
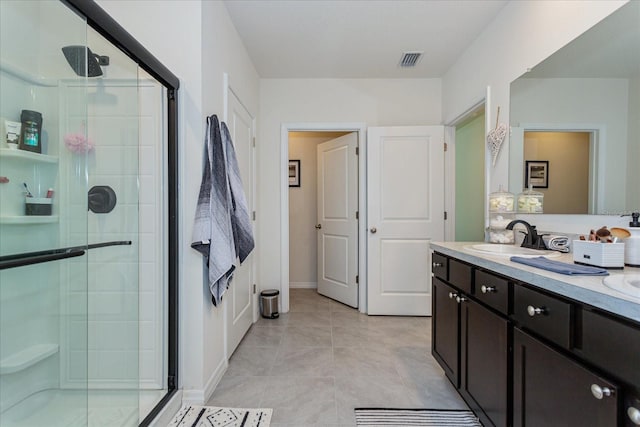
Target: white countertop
{"type": "Point", "coordinates": [586, 289]}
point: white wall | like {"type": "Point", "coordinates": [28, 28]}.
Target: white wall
{"type": "Point", "coordinates": [633, 195]}
{"type": "Point", "coordinates": [522, 35]}
{"type": "Point", "coordinates": [197, 42]}
{"type": "Point", "coordinates": [376, 102]}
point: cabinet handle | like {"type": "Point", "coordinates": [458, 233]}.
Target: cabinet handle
{"type": "Point", "coordinates": [534, 311]}
{"type": "Point", "coordinates": [452, 295]}
{"type": "Point", "coordinates": [600, 392]}
{"type": "Point", "coordinates": [460, 299]}
{"type": "Point", "coordinates": [487, 289]}
{"type": "Point", "coordinates": [437, 264]}
{"type": "Point", "coordinates": [634, 415]}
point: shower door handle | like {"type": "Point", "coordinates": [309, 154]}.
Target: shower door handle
{"type": "Point", "coordinates": [38, 259]}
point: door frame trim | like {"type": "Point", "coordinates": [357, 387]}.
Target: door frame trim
{"type": "Point", "coordinates": [361, 129]}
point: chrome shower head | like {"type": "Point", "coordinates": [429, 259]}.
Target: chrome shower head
{"type": "Point", "coordinates": [84, 62]}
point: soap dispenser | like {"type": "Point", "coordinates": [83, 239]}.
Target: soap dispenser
{"type": "Point", "coordinates": [632, 243]}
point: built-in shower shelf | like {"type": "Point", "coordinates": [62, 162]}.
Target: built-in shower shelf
{"type": "Point", "coordinates": [28, 219]}
{"type": "Point", "coordinates": [26, 358]}
{"type": "Point", "coordinates": [27, 155]}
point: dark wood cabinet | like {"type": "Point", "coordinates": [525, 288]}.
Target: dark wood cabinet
{"type": "Point", "coordinates": [471, 344]}
{"type": "Point", "coordinates": [523, 356]}
{"type": "Point", "coordinates": [551, 389]}
{"type": "Point", "coordinates": [484, 366]}
{"type": "Point", "coordinates": [445, 342]}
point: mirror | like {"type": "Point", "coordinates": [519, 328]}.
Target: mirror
{"type": "Point", "coordinates": [579, 110]}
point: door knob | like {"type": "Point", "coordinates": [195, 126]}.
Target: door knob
{"type": "Point", "coordinates": [319, 226]}
{"type": "Point", "coordinates": [373, 230]}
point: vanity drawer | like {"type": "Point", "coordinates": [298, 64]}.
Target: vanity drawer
{"type": "Point", "coordinates": [613, 345]}
{"type": "Point", "coordinates": [542, 314]}
{"type": "Point", "coordinates": [460, 275]}
{"type": "Point", "coordinates": [492, 290]}
{"type": "Point", "coordinates": [439, 266]}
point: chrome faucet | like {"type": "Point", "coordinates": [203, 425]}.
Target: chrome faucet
{"type": "Point", "coordinates": [532, 239]}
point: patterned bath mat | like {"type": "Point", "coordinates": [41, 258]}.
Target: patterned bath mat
{"type": "Point", "coordinates": [386, 417]}
{"type": "Point", "coordinates": [211, 416]}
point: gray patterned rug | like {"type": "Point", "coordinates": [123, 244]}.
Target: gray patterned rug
{"type": "Point", "coordinates": [379, 417]}
{"type": "Point", "coordinates": [211, 416]}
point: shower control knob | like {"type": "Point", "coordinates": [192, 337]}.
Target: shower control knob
{"type": "Point", "coordinates": [600, 392]}
{"type": "Point", "coordinates": [634, 415]}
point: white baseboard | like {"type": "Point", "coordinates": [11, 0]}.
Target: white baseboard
{"type": "Point", "coordinates": [168, 412]}
{"type": "Point", "coordinates": [303, 285]}
{"type": "Point", "coordinates": [201, 396]}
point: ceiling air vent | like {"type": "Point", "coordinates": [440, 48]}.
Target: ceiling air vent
{"type": "Point", "coordinates": [410, 59]}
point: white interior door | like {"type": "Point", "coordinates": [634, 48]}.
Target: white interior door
{"type": "Point", "coordinates": [405, 211]}
{"type": "Point", "coordinates": [337, 224]}
{"type": "Point", "coordinates": [240, 299]}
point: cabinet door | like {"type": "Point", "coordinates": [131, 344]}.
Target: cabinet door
{"type": "Point", "coordinates": [484, 362]}
{"type": "Point", "coordinates": [553, 390]}
{"type": "Point", "coordinates": [445, 342]}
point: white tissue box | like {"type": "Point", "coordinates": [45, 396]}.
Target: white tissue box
{"type": "Point", "coordinates": [607, 255]}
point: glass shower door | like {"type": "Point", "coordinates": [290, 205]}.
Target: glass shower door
{"type": "Point", "coordinates": [43, 228]}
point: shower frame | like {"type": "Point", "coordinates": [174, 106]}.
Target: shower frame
{"type": "Point", "coordinates": [106, 26]}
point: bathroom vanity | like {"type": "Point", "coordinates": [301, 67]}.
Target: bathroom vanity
{"type": "Point", "coordinates": [528, 347]}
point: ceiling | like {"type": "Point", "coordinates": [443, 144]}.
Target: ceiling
{"type": "Point", "coordinates": [358, 38]}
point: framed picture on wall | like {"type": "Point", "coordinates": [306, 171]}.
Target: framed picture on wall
{"type": "Point", "coordinates": [536, 173]}
{"type": "Point", "coordinates": [294, 173]}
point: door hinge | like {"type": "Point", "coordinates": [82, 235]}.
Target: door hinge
{"type": "Point", "coordinates": [171, 382]}
{"type": "Point", "coordinates": [253, 142]}
{"type": "Point", "coordinates": [254, 288]}
{"type": "Point", "coordinates": [445, 215]}
{"type": "Point", "coordinates": [253, 215]}
{"type": "Point", "coordinates": [357, 151]}
{"type": "Point", "coordinates": [445, 146]}
{"type": "Point", "coordinates": [357, 215]}
{"type": "Point", "coordinates": [357, 278]}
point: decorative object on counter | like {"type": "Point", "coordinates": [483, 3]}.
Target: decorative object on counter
{"type": "Point", "coordinates": [501, 213]}
{"type": "Point", "coordinates": [560, 267]}
{"type": "Point", "coordinates": [12, 133]}
{"type": "Point", "coordinates": [495, 138]}
{"type": "Point", "coordinates": [536, 173]}
{"type": "Point", "coordinates": [632, 242]}
{"type": "Point", "coordinates": [530, 201]}
{"type": "Point", "coordinates": [37, 205]}
{"type": "Point", "coordinates": [603, 235]}
{"type": "Point", "coordinates": [78, 142]}
{"type": "Point", "coordinates": [4, 180]}
{"type": "Point", "coordinates": [31, 131]}
{"type": "Point", "coordinates": [556, 242]}
{"type": "Point", "coordinates": [609, 255]}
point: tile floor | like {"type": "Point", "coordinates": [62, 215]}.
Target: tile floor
{"type": "Point", "coordinates": [321, 360]}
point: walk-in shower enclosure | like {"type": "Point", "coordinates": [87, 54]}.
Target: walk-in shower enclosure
{"type": "Point", "coordinates": [87, 222]}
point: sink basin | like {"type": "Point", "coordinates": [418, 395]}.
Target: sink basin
{"type": "Point", "coordinates": [510, 250]}
{"type": "Point", "coordinates": [628, 284]}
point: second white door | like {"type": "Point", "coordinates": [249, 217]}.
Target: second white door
{"type": "Point", "coordinates": [336, 219]}
{"type": "Point", "coordinates": [405, 211]}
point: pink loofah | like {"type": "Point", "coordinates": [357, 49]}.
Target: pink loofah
{"type": "Point", "coordinates": [78, 143]}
